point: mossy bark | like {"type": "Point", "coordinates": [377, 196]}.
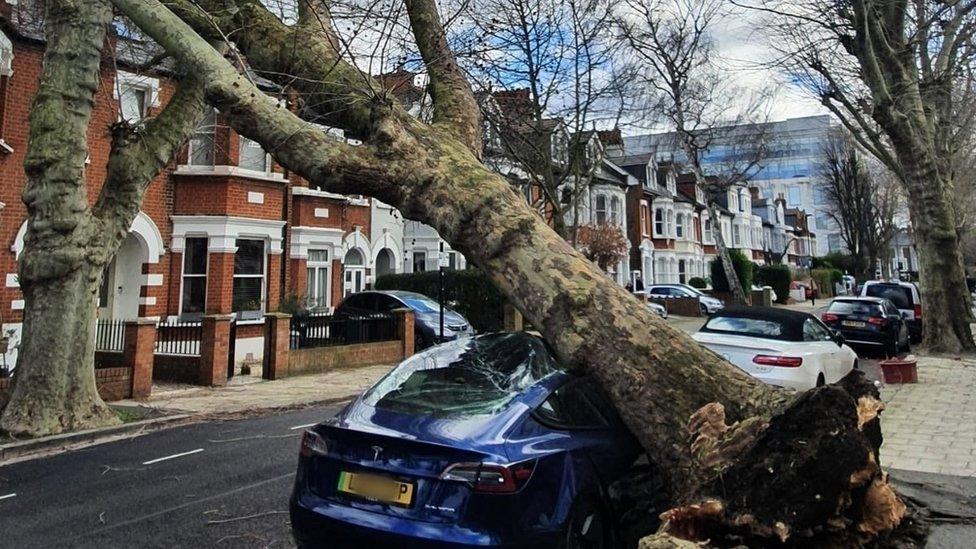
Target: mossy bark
{"type": "Point", "coordinates": [68, 244]}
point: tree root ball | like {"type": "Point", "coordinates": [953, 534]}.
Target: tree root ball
{"type": "Point", "coordinates": [810, 477]}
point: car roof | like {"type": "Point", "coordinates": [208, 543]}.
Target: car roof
{"type": "Point", "coordinates": [790, 319]}
{"type": "Point", "coordinates": [865, 298]}
{"type": "Point", "coordinates": [890, 283]}
{"type": "Point", "coordinates": [393, 293]}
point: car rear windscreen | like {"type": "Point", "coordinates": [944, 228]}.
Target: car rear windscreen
{"type": "Point", "coordinates": [899, 295]}
{"type": "Point", "coordinates": [754, 327]}
{"type": "Point", "coordinates": [855, 308]}
{"type": "Point", "coordinates": [468, 377]}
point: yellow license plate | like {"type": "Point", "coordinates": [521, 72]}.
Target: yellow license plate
{"type": "Point", "coordinates": [376, 488]}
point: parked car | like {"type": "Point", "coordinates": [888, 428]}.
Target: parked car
{"type": "Point", "coordinates": [778, 346]}
{"type": "Point", "coordinates": [480, 442]}
{"type": "Point", "coordinates": [772, 292]}
{"type": "Point", "coordinates": [657, 309]}
{"type": "Point", "coordinates": [868, 322]}
{"type": "Point", "coordinates": [905, 296]}
{"type": "Point", "coordinates": [708, 304]}
{"type": "Point", "coordinates": [426, 314]}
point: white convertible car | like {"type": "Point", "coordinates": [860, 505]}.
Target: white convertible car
{"type": "Point", "coordinates": [778, 346]}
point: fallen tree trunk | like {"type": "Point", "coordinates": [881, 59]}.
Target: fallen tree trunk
{"type": "Point", "coordinates": [658, 377]}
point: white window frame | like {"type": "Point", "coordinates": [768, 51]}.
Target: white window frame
{"type": "Point", "coordinates": [204, 276]}
{"type": "Point", "coordinates": [189, 147]}
{"type": "Point", "coordinates": [315, 296]}
{"type": "Point", "coordinates": [147, 84]}
{"type": "Point", "coordinates": [254, 314]}
{"type": "Point", "coordinates": [242, 142]}
{"type": "Point", "coordinates": [644, 211]}
{"type": "Point", "coordinates": [599, 212]}
{"type": "Point", "coordinates": [615, 210]}
{"type": "Point", "coordinates": [679, 227]}
{"type": "Point", "coordinates": [659, 224]}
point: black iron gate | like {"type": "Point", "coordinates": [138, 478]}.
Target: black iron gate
{"type": "Point", "coordinates": [231, 347]}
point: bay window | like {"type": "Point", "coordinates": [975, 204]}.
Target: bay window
{"type": "Point", "coordinates": [193, 299]}
{"type": "Point", "coordinates": [680, 227]}
{"type": "Point", "coordinates": [659, 222]}
{"type": "Point", "coordinates": [248, 291]}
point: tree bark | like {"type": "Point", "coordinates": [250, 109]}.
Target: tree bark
{"type": "Point", "coordinates": [735, 286]}
{"type": "Point", "coordinates": [657, 376]}
{"type": "Point", "coordinates": [67, 245]}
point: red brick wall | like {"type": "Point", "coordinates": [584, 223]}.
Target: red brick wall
{"type": "Point", "coordinates": [321, 359]}
{"type": "Point", "coordinates": [226, 195]}
{"type": "Point", "coordinates": [113, 383]}
{"type": "Point", "coordinates": [220, 283]}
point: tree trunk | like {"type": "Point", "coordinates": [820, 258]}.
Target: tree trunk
{"type": "Point", "coordinates": [735, 286]}
{"type": "Point", "coordinates": [946, 300]}
{"type": "Point", "coordinates": [54, 382]}
{"type": "Point", "coordinates": [657, 377]}
{"type": "Point", "coordinates": [68, 244]}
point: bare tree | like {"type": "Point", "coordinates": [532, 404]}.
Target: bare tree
{"type": "Point", "coordinates": [861, 200]}
{"type": "Point", "coordinates": [671, 41]}
{"type": "Point", "coordinates": [550, 70]}
{"type": "Point", "coordinates": [669, 391]}
{"type": "Point", "coordinates": [898, 75]}
{"type": "Point", "coordinates": [68, 243]}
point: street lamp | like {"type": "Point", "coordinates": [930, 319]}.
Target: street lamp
{"type": "Point", "coordinates": [440, 287]}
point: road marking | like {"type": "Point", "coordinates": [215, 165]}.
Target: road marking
{"type": "Point", "coordinates": [8, 496]}
{"type": "Point", "coordinates": [174, 456]}
{"type": "Point", "coordinates": [302, 426]}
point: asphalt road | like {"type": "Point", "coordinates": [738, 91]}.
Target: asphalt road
{"type": "Point", "coordinates": [124, 494]}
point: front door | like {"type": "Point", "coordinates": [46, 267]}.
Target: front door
{"type": "Point", "coordinates": [354, 280]}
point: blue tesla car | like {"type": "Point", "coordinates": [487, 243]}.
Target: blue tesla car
{"type": "Point", "coordinates": [480, 442]}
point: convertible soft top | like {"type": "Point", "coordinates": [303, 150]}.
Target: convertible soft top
{"type": "Point", "coordinates": [790, 321]}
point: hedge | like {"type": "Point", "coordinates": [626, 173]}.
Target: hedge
{"type": "Point", "coordinates": [778, 277]}
{"type": "Point", "coordinates": [743, 270]}
{"type": "Point", "coordinates": [826, 278]}
{"type": "Point", "coordinates": [468, 292]}
{"type": "Point", "coordinates": [697, 282]}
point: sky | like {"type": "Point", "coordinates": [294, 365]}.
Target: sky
{"type": "Point", "coordinates": [743, 48]}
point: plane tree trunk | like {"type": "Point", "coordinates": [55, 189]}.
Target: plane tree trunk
{"type": "Point", "coordinates": [68, 244]}
{"type": "Point", "coordinates": [669, 391]}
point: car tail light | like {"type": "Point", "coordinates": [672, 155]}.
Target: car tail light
{"type": "Point", "coordinates": [313, 445]}
{"type": "Point", "coordinates": [918, 312]}
{"type": "Point", "coordinates": [490, 477]}
{"type": "Point", "coordinates": [781, 361]}
{"type": "Point", "coordinates": [828, 317]}
{"type": "Point", "coordinates": [877, 320]}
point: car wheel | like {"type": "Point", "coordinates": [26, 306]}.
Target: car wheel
{"type": "Point", "coordinates": [704, 309]}
{"type": "Point", "coordinates": [587, 528]}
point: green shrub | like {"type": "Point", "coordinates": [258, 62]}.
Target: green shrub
{"type": "Point", "coordinates": [468, 292]}
{"type": "Point", "coordinates": [743, 270]}
{"type": "Point", "coordinates": [697, 282]}
{"type": "Point", "coordinates": [778, 277]}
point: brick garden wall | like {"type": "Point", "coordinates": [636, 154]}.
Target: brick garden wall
{"type": "Point", "coordinates": [113, 383]}
{"type": "Point", "coordinates": [322, 359]}
{"type": "Point", "coordinates": [682, 306]}
{"type": "Point", "coordinates": [176, 369]}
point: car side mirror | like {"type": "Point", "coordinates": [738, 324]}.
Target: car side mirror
{"type": "Point", "coordinates": [839, 338]}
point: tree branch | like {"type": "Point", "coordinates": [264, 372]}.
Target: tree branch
{"type": "Point", "coordinates": [138, 155]}
{"type": "Point", "coordinates": [453, 101]}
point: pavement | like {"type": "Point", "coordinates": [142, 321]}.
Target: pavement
{"type": "Point", "coordinates": [245, 394]}
{"type": "Point", "coordinates": [930, 426]}
{"type": "Point", "coordinates": [214, 484]}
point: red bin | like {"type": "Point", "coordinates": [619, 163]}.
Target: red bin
{"type": "Point", "coordinates": [896, 370]}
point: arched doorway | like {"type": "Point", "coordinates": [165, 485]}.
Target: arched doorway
{"type": "Point", "coordinates": [354, 272]}
{"type": "Point", "coordinates": [385, 263]}
{"type": "Point", "coordinates": [118, 296]}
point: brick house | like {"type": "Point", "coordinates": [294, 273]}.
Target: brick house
{"type": "Point", "coordinates": [223, 230]}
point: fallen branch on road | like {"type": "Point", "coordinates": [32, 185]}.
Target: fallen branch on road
{"type": "Point", "coordinates": [246, 517]}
